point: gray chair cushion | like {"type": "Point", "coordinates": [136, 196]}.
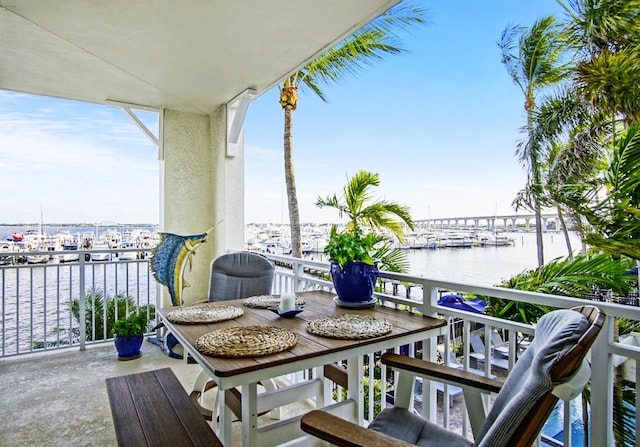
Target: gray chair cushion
{"type": "Point", "coordinates": [556, 333]}
{"type": "Point", "coordinates": [408, 427]}
{"type": "Point", "coordinates": [240, 275]}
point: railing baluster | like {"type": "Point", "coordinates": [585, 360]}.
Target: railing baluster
{"type": "Point", "coordinates": [4, 313]}
{"type": "Point", "coordinates": [18, 310]}
{"type": "Point", "coordinates": [18, 292]}
{"type": "Point", "coordinates": [31, 311]}
{"type": "Point", "coordinates": [82, 300]}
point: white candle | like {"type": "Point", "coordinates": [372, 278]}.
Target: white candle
{"type": "Point", "coordinates": [287, 301]}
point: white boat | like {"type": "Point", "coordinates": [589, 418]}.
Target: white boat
{"type": "Point", "coordinates": [455, 240]}
{"type": "Point", "coordinates": [494, 239]}
{"type": "Point", "coordinates": [69, 247]}
{"type": "Point", "coordinates": [6, 253]}
{"type": "Point", "coordinates": [128, 255]}
{"type": "Point", "coordinates": [318, 244]}
{"type": "Point", "coordinates": [306, 247]}
{"type": "Point", "coordinates": [71, 252]}
{"type": "Point", "coordinates": [96, 255]}
{"type": "Point", "coordinates": [113, 238]}
{"type": "Point", "coordinates": [274, 248]}
{"type": "Point", "coordinates": [431, 242]}
{"type": "Point", "coordinates": [37, 259]}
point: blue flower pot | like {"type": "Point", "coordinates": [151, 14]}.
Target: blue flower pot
{"type": "Point", "coordinates": [355, 282]}
{"type": "Point", "coordinates": [128, 347]}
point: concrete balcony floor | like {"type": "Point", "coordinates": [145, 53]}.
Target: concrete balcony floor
{"type": "Point", "coordinates": [59, 398]}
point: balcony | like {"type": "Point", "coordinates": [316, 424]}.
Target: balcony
{"type": "Point", "coordinates": [53, 379]}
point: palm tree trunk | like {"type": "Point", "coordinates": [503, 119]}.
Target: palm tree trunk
{"type": "Point", "coordinates": [290, 179]}
{"type": "Point", "coordinates": [534, 163]}
{"type": "Point", "coordinates": [539, 235]}
{"type": "Point", "coordinates": [565, 231]}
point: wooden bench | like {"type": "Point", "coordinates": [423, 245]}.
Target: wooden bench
{"type": "Point", "coordinates": [153, 409]}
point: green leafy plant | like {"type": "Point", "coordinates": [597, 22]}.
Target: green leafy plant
{"type": "Point", "coordinates": [347, 247]}
{"type": "Point", "coordinates": [572, 277]}
{"type": "Point", "coordinates": [132, 325]}
{"type": "Point", "coordinates": [101, 312]}
{"type": "Point", "coordinates": [370, 217]}
{"type": "Point", "coordinates": [377, 396]}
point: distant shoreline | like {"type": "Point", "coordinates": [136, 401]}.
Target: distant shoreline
{"type": "Point", "coordinates": [93, 225]}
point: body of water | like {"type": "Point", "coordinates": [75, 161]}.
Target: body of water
{"type": "Point", "coordinates": [489, 265]}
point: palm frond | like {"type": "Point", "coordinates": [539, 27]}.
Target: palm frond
{"type": "Point", "coordinates": [391, 259]}
{"type": "Point", "coordinates": [369, 44]}
{"type": "Point", "coordinates": [572, 277]}
{"type": "Point", "coordinates": [508, 47]}
{"type": "Point", "coordinates": [612, 82]}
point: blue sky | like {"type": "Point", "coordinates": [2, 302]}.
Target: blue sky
{"type": "Point", "coordinates": [439, 124]}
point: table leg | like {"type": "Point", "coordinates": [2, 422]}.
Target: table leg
{"type": "Point", "coordinates": [225, 418]}
{"type": "Point", "coordinates": [355, 370]}
{"type": "Point", "coordinates": [249, 414]}
{"type": "Point", "coordinates": [325, 392]}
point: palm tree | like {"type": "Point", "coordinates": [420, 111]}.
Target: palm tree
{"type": "Point", "coordinates": [355, 205]}
{"type": "Point", "coordinates": [565, 277]}
{"type": "Point", "coordinates": [364, 213]}
{"type": "Point", "coordinates": [606, 40]}
{"type": "Point", "coordinates": [359, 50]}
{"type": "Point", "coordinates": [574, 136]}
{"type": "Point", "coordinates": [605, 37]}
{"type": "Point", "coordinates": [612, 204]}
{"type": "Point", "coordinates": [532, 59]}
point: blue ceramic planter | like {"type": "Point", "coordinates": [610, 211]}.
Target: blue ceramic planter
{"type": "Point", "coordinates": [355, 282]}
{"type": "Point", "coordinates": [128, 347]}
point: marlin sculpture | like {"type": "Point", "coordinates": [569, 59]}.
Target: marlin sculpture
{"type": "Point", "coordinates": [169, 260]}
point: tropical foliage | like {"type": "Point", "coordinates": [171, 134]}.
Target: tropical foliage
{"type": "Point", "coordinates": [533, 63]}
{"type": "Point", "coordinates": [574, 277]}
{"type": "Point", "coordinates": [611, 203]}
{"type": "Point", "coordinates": [134, 324]}
{"type": "Point", "coordinates": [367, 45]}
{"type": "Point", "coordinates": [349, 247]}
{"type": "Point", "coordinates": [368, 219]}
{"type": "Point", "coordinates": [101, 312]}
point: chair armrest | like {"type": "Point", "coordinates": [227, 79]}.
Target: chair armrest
{"type": "Point", "coordinates": [441, 373]}
{"type": "Point", "coordinates": [343, 433]}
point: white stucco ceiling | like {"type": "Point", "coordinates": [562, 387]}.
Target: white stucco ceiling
{"type": "Point", "coordinates": [187, 55]}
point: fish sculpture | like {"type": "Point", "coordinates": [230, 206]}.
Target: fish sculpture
{"type": "Point", "coordinates": [169, 260]}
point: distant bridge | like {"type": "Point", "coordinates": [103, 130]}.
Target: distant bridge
{"type": "Point", "coordinates": [510, 222]}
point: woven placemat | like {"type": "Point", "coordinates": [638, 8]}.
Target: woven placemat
{"type": "Point", "coordinates": [204, 313]}
{"type": "Point", "coordinates": [248, 341]}
{"type": "Point", "coordinates": [349, 327]}
{"type": "Point", "coordinates": [264, 301]}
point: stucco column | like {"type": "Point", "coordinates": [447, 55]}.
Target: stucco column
{"type": "Point", "coordinates": [201, 188]}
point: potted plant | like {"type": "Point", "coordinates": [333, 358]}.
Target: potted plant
{"type": "Point", "coordinates": [355, 253]}
{"type": "Point", "coordinates": [129, 335]}
{"type": "Point", "coordinates": [353, 271]}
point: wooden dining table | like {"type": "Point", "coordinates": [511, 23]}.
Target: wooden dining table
{"type": "Point", "coordinates": [310, 352]}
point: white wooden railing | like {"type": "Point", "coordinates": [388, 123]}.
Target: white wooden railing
{"type": "Point", "coordinates": [417, 293]}
{"type": "Point", "coordinates": [35, 297]}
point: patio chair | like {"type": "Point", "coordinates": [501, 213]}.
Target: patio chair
{"type": "Point", "coordinates": [477, 345]}
{"type": "Point", "coordinates": [554, 366]}
{"type": "Point", "coordinates": [455, 363]}
{"type": "Point", "coordinates": [234, 276]}
{"type": "Point", "coordinates": [499, 345]}
{"type": "Point", "coordinates": [240, 275]}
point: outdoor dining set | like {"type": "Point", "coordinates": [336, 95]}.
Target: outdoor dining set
{"type": "Point", "coordinates": [245, 339]}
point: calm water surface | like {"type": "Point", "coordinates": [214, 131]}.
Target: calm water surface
{"type": "Point", "coordinates": [477, 265]}
{"type": "Point", "coordinates": [488, 265]}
